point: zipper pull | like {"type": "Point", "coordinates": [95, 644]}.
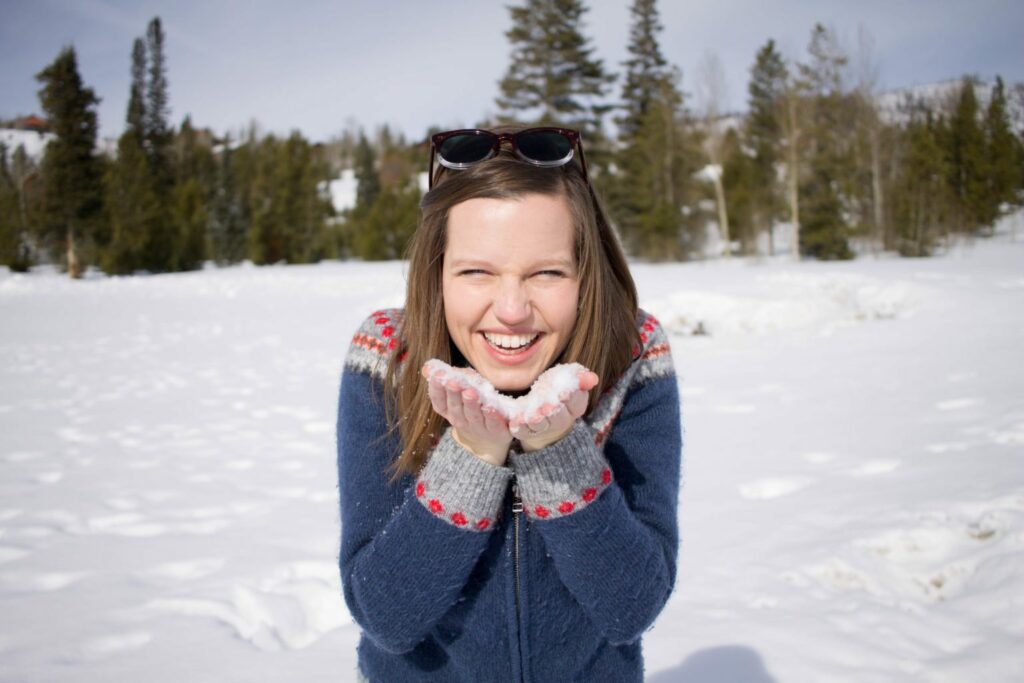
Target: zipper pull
{"type": "Point", "coordinates": [517, 502]}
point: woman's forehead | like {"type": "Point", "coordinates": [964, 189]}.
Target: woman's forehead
{"type": "Point", "coordinates": [530, 227]}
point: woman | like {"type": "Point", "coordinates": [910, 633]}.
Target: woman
{"type": "Point", "coordinates": [478, 548]}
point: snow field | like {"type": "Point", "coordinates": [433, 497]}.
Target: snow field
{"type": "Point", "coordinates": [852, 508]}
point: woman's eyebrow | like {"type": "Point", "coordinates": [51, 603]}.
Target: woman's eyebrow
{"type": "Point", "coordinates": [540, 263]}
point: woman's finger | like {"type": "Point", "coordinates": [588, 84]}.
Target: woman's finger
{"type": "Point", "coordinates": [438, 398]}
{"type": "Point", "coordinates": [471, 408]}
{"type": "Point", "coordinates": [577, 403]}
{"type": "Point", "coordinates": [456, 411]}
{"type": "Point", "coordinates": [494, 421]}
{"type": "Point", "coordinates": [560, 420]}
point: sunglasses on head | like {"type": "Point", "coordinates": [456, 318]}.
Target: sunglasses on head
{"type": "Point", "coordinates": [544, 147]}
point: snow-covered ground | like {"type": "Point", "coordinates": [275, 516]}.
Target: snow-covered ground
{"type": "Point", "coordinates": [853, 507]}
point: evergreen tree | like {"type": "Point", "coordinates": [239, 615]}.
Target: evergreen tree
{"type": "Point", "coordinates": [11, 229]}
{"type": "Point", "coordinates": [743, 191]}
{"type": "Point", "coordinates": [135, 211]}
{"type": "Point", "coordinates": [387, 198]}
{"type": "Point", "coordinates": [657, 153]}
{"type": "Point", "coordinates": [968, 166]}
{"type": "Point", "coordinates": [646, 69]}
{"type": "Point", "coordinates": [157, 109]}
{"type": "Point", "coordinates": [920, 195]}
{"type": "Point", "coordinates": [823, 229]}
{"type": "Point", "coordinates": [190, 217]}
{"type": "Point", "coordinates": [134, 205]}
{"type": "Point", "coordinates": [194, 190]}
{"type": "Point", "coordinates": [763, 132]}
{"type": "Point", "coordinates": [367, 178]}
{"type": "Point", "coordinates": [1003, 153]}
{"type": "Point", "coordinates": [136, 117]}
{"type": "Point", "coordinates": [553, 69]}
{"type": "Point", "coordinates": [288, 212]}
{"type": "Point", "coordinates": [229, 220]}
{"type": "Point", "coordinates": [162, 243]}
{"type": "Point", "coordinates": [73, 174]}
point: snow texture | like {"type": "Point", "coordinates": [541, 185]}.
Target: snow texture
{"type": "Point", "coordinates": [549, 389]}
{"type": "Point", "coordinates": [853, 507]}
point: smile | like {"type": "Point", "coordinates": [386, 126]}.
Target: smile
{"type": "Point", "coordinates": [510, 342]}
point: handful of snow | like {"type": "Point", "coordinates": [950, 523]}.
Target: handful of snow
{"type": "Point", "coordinates": [553, 385]}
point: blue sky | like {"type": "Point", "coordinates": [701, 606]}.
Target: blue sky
{"type": "Point", "coordinates": [320, 66]}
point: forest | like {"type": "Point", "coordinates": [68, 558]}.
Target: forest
{"type": "Point", "coordinates": [819, 160]}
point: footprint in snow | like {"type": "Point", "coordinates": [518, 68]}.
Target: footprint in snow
{"type": "Point", "coordinates": [289, 609]}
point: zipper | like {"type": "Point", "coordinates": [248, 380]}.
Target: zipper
{"type": "Point", "coordinates": [517, 511]}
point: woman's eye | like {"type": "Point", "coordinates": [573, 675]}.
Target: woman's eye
{"type": "Point", "coordinates": [472, 271]}
{"type": "Point", "coordinates": [551, 273]}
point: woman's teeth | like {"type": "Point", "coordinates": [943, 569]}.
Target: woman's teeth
{"type": "Point", "coordinates": [510, 341]}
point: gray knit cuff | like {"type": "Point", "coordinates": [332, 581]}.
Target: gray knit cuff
{"type": "Point", "coordinates": [460, 488]}
{"type": "Point", "coordinates": [563, 477]}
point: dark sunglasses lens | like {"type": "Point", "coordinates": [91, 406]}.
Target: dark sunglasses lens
{"type": "Point", "coordinates": [544, 146]}
{"type": "Point", "coordinates": [466, 149]}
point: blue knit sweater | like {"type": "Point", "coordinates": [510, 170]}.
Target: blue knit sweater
{"type": "Point", "coordinates": [450, 581]}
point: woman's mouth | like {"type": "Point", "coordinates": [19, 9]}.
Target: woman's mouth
{"type": "Point", "coordinates": [511, 344]}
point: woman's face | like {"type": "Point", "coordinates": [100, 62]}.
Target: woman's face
{"type": "Point", "coordinates": [510, 285]}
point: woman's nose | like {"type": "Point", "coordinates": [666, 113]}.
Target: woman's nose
{"type": "Point", "coordinates": [512, 303]}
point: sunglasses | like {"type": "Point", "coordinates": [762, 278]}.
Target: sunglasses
{"type": "Point", "coordinates": [545, 147]}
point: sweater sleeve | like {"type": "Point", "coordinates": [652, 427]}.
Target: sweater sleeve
{"type": "Point", "coordinates": [403, 564]}
{"type": "Point", "coordinates": [609, 520]}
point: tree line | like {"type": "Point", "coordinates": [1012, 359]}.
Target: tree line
{"type": "Point", "coordinates": [814, 151]}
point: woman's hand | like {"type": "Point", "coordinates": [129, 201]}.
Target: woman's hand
{"type": "Point", "coordinates": [552, 421]}
{"type": "Point", "coordinates": [480, 429]}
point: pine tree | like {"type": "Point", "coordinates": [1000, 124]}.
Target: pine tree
{"type": "Point", "coordinates": [73, 174]}
{"type": "Point", "coordinates": [920, 195]}
{"type": "Point", "coordinates": [1003, 153]}
{"type": "Point", "coordinates": [367, 177]}
{"type": "Point", "coordinates": [743, 191]}
{"type": "Point", "coordinates": [657, 154]}
{"type": "Point", "coordinates": [11, 229]}
{"type": "Point", "coordinates": [161, 246]}
{"type": "Point", "coordinates": [968, 166]}
{"type": "Point", "coordinates": [553, 69]}
{"type": "Point", "coordinates": [823, 229]}
{"type": "Point", "coordinates": [288, 213]}
{"type": "Point", "coordinates": [194, 189]}
{"type": "Point", "coordinates": [229, 221]}
{"type": "Point", "coordinates": [135, 208]}
{"type": "Point", "coordinates": [157, 110]}
{"type": "Point", "coordinates": [764, 128]}
{"type": "Point", "coordinates": [646, 68]}
{"type": "Point", "coordinates": [136, 117]}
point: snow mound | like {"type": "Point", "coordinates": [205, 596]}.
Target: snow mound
{"type": "Point", "coordinates": [788, 301]}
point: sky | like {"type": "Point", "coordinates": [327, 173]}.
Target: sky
{"type": "Point", "coordinates": [321, 66]}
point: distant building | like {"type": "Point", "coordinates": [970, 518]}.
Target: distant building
{"type": "Point", "coordinates": [30, 122]}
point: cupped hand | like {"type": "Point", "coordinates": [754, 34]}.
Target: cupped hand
{"type": "Point", "coordinates": [480, 429]}
{"type": "Point", "coordinates": [552, 421]}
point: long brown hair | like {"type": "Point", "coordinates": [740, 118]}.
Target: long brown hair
{"type": "Point", "coordinates": [604, 335]}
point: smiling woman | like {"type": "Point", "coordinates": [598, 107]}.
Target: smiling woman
{"type": "Point", "coordinates": [477, 546]}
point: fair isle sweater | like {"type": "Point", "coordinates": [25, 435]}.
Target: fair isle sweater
{"type": "Point", "coordinates": [450, 581]}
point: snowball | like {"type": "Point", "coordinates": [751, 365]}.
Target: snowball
{"type": "Point", "coordinates": [546, 389]}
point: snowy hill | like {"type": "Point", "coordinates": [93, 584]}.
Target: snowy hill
{"type": "Point", "coordinates": [853, 505]}
{"type": "Point", "coordinates": [896, 104]}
